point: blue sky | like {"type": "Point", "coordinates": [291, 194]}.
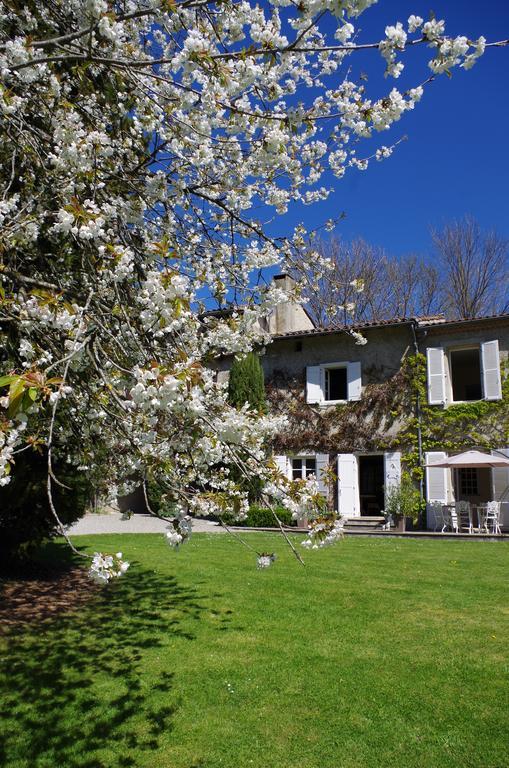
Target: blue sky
{"type": "Point", "coordinates": [456, 158]}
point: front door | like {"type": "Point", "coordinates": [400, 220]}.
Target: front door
{"type": "Point", "coordinates": [371, 484]}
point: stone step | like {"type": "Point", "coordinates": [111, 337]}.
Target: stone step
{"type": "Point", "coordinates": [365, 523]}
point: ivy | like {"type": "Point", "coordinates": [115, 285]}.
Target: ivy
{"type": "Point", "coordinates": [386, 418]}
{"type": "Point", "coordinates": [477, 424]}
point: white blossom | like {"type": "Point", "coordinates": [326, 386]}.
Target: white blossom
{"type": "Point", "coordinates": [414, 22]}
{"type": "Point", "coordinates": [104, 568]}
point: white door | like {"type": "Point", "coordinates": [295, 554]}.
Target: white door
{"type": "Point", "coordinates": [392, 470]}
{"type": "Point", "coordinates": [500, 477]}
{"type": "Point", "coordinates": [348, 485]}
{"type": "Point", "coordinates": [437, 485]}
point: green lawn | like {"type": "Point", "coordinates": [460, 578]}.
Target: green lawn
{"type": "Point", "coordinates": [379, 652]}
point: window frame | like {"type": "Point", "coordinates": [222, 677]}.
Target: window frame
{"type": "Point", "coordinates": [333, 367]}
{"type": "Point", "coordinates": [468, 481]}
{"type": "Point", "coordinates": [303, 458]}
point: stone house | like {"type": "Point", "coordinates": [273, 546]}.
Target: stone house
{"type": "Point", "coordinates": [417, 390]}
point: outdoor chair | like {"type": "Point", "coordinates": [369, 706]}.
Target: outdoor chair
{"type": "Point", "coordinates": [435, 508]}
{"type": "Point", "coordinates": [464, 519]}
{"type": "Point", "coordinates": [458, 516]}
{"type": "Point", "coordinates": [450, 518]}
{"type": "Point", "coordinates": [489, 515]}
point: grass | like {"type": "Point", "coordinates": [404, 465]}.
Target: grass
{"type": "Point", "coordinates": [378, 653]}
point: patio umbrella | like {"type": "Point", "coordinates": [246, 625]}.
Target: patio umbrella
{"type": "Point", "coordinates": [471, 459]}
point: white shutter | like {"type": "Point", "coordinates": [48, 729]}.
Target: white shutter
{"type": "Point", "coordinates": [348, 485]}
{"type": "Point", "coordinates": [492, 386]}
{"type": "Point", "coordinates": [314, 392]}
{"type": "Point", "coordinates": [322, 463]}
{"type": "Point", "coordinates": [436, 485]}
{"type": "Point", "coordinates": [392, 469]}
{"type": "Point", "coordinates": [283, 464]}
{"type": "Point", "coordinates": [436, 375]}
{"type": "Point", "coordinates": [353, 373]}
{"type": "Point", "coordinates": [501, 487]}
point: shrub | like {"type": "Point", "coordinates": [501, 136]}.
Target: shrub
{"type": "Point", "coordinates": [261, 517]}
{"type": "Point", "coordinates": [159, 498]}
{"type": "Point", "coordinates": [25, 515]}
{"type": "Point", "coordinates": [403, 500]}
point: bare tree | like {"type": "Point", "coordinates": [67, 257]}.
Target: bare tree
{"type": "Point", "coordinates": [469, 277]}
{"type": "Point", "coordinates": [390, 287]}
{"type": "Point", "coordinates": [474, 269]}
{"type": "Point", "coordinates": [354, 289]}
{"type": "Point", "coordinates": [430, 297]}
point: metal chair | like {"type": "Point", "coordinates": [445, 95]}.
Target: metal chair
{"type": "Point", "coordinates": [489, 514]}
{"type": "Point", "coordinates": [435, 508]}
{"type": "Point", "coordinates": [464, 518]}
{"type": "Point", "coordinates": [450, 518]}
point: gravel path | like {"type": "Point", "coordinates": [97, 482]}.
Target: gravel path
{"type": "Point", "coordinates": [113, 523]}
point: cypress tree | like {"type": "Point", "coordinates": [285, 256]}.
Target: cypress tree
{"type": "Point", "coordinates": [246, 383]}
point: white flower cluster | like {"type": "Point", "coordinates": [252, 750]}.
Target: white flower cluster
{"type": "Point", "coordinates": [179, 531]}
{"type": "Point", "coordinates": [360, 340]}
{"type": "Point", "coordinates": [414, 22]}
{"type": "Point", "coordinates": [9, 439]}
{"type": "Point", "coordinates": [265, 560]}
{"type": "Point", "coordinates": [383, 152]}
{"type": "Point", "coordinates": [323, 532]}
{"type": "Point", "coordinates": [395, 40]}
{"type": "Point", "coordinates": [104, 568]}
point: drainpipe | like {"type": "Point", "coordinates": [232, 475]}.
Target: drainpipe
{"type": "Point", "coordinates": [419, 419]}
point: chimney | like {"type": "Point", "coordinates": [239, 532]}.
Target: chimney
{"type": "Point", "coordinates": [291, 315]}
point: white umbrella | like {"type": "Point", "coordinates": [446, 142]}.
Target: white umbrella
{"type": "Point", "coordinates": [471, 459]}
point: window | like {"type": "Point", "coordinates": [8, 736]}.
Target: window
{"type": "Point", "coordinates": [466, 378]}
{"type": "Point", "coordinates": [470, 373]}
{"type": "Point", "coordinates": [469, 481]}
{"type": "Point", "coordinates": [333, 383]}
{"type": "Point", "coordinates": [336, 384]}
{"type": "Point", "coordinates": [303, 468]}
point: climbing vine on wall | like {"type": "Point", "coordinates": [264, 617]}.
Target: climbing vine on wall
{"type": "Point", "coordinates": [386, 418]}
{"type": "Point", "coordinates": [479, 424]}
{"type": "Point", "coordinates": [368, 424]}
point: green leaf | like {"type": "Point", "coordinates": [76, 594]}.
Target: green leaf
{"type": "Point", "coordinates": [4, 380]}
{"type": "Point", "coordinates": [15, 404]}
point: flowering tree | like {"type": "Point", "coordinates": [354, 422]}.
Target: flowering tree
{"type": "Point", "coordinates": [143, 142]}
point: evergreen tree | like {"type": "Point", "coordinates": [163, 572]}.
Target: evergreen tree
{"type": "Point", "coordinates": [246, 384]}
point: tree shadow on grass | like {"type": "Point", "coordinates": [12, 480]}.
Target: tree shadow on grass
{"type": "Point", "coordinates": [86, 690]}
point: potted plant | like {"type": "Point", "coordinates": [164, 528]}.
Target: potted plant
{"type": "Point", "coordinates": [402, 503]}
